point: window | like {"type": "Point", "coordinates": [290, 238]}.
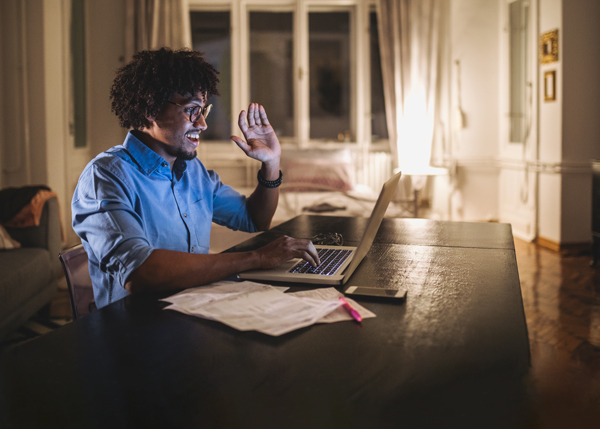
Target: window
{"type": "Point", "coordinates": [329, 75]}
{"type": "Point", "coordinates": [211, 35]}
{"type": "Point", "coordinates": [318, 78]}
{"type": "Point", "coordinates": [272, 67]}
{"type": "Point", "coordinates": [379, 129]}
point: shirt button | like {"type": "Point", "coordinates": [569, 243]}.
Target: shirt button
{"type": "Point", "coordinates": [192, 250]}
{"type": "Point", "coordinates": [164, 164]}
{"type": "Point", "coordinates": [185, 215]}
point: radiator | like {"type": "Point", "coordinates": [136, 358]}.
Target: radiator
{"type": "Point", "coordinates": [373, 169]}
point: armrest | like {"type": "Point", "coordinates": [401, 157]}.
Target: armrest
{"type": "Point", "coordinates": [47, 235]}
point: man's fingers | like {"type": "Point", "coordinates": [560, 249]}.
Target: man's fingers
{"type": "Point", "coordinates": [257, 114]}
{"type": "Point", "coordinates": [314, 253]}
{"type": "Point", "coordinates": [251, 119]}
{"type": "Point", "coordinates": [241, 144]}
{"type": "Point", "coordinates": [307, 257]}
{"type": "Point", "coordinates": [263, 115]}
{"type": "Point", "coordinates": [242, 121]}
{"type": "Point", "coordinates": [285, 248]}
{"type": "Point", "coordinates": [307, 251]}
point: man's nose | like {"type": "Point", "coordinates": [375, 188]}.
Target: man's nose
{"type": "Point", "coordinates": [200, 122]}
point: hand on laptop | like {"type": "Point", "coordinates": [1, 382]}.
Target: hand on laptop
{"type": "Point", "coordinates": [286, 248]}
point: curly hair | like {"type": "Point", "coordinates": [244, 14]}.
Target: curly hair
{"type": "Point", "coordinates": [152, 77]}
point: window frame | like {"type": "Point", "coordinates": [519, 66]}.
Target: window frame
{"type": "Point", "coordinates": [360, 97]}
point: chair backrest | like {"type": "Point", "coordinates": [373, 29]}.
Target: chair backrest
{"type": "Point", "coordinates": [75, 263]}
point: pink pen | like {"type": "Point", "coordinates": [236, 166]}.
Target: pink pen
{"type": "Point", "coordinates": [350, 310]}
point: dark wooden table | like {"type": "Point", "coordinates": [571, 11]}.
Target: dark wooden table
{"type": "Point", "coordinates": [454, 353]}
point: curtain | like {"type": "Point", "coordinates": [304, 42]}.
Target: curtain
{"type": "Point", "coordinates": [411, 42]}
{"type": "Point", "coordinates": [152, 24]}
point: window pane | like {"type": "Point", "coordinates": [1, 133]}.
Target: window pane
{"type": "Point", "coordinates": [211, 35]}
{"type": "Point", "coordinates": [329, 68]}
{"type": "Point", "coordinates": [378, 121]}
{"type": "Point", "coordinates": [271, 67]}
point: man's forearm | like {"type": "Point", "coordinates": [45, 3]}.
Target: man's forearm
{"type": "Point", "coordinates": [263, 201]}
{"type": "Point", "coordinates": [171, 270]}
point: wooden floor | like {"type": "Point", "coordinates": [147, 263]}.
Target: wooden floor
{"type": "Point", "coordinates": [561, 296]}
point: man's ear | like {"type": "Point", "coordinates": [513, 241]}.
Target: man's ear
{"type": "Point", "coordinates": [150, 121]}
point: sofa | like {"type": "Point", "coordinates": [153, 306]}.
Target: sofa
{"type": "Point", "coordinates": [29, 274]}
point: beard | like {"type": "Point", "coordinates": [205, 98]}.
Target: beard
{"type": "Point", "coordinates": [180, 153]}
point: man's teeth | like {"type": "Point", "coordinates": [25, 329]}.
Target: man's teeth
{"type": "Point", "coordinates": [193, 136]}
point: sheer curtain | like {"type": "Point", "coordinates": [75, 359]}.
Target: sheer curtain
{"type": "Point", "coordinates": [152, 24]}
{"type": "Point", "coordinates": [411, 41]}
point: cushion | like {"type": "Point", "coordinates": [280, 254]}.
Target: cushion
{"type": "Point", "coordinates": [25, 273]}
{"type": "Point", "coordinates": [310, 170]}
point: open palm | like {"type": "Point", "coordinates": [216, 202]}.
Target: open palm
{"type": "Point", "coordinates": [261, 142]}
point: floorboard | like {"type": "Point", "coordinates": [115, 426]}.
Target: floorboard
{"type": "Point", "coordinates": [561, 297]}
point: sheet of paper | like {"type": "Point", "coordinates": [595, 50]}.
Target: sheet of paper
{"type": "Point", "coordinates": [192, 298]}
{"type": "Point", "coordinates": [332, 294]}
{"type": "Point", "coordinates": [251, 306]}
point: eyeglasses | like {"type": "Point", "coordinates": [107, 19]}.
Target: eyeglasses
{"type": "Point", "coordinates": [194, 111]}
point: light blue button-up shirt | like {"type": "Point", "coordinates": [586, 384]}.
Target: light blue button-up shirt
{"type": "Point", "coordinates": [128, 203]}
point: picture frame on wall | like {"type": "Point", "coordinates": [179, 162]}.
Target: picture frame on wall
{"type": "Point", "coordinates": [549, 47]}
{"type": "Point", "coordinates": [550, 85]}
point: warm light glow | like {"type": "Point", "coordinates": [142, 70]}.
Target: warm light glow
{"type": "Point", "coordinates": [415, 132]}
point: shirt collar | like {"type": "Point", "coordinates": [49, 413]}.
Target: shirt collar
{"type": "Point", "coordinates": [147, 159]}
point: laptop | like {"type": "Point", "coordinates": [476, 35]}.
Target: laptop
{"type": "Point", "coordinates": [337, 262]}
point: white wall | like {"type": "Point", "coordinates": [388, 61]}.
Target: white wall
{"type": "Point", "coordinates": [474, 37]}
{"type": "Point", "coordinates": [569, 128]}
{"type": "Point", "coordinates": [550, 131]}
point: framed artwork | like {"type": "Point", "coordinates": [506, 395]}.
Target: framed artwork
{"type": "Point", "coordinates": [550, 85]}
{"type": "Point", "coordinates": [549, 47]}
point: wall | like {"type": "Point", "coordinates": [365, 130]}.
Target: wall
{"type": "Point", "coordinates": [35, 122]}
{"type": "Point", "coordinates": [106, 51]}
{"type": "Point", "coordinates": [474, 38]}
{"type": "Point", "coordinates": [569, 129]}
{"type": "Point", "coordinates": [36, 144]}
{"type": "Point", "coordinates": [580, 112]}
{"type": "Point", "coordinates": [14, 133]}
{"type": "Point", "coordinates": [550, 131]}
{"type": "Point", "coordinates": [105, 22]}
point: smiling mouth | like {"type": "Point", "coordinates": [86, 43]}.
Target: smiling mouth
{"type": "Point", "coordinates": [193, 136]}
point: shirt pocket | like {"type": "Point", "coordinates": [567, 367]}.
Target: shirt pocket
{"type": "Point", "coordinates": [201, 223]}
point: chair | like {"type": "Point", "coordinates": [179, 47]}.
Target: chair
{"type": "Point", "coordinates": [75, 264]}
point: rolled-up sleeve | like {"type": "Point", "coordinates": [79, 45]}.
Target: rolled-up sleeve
{"type": "Point", "coordinates": [104, 216]}
{"type": "Point", "coordinates": [230, 208]}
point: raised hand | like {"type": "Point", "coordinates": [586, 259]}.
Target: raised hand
{"type": "Point", "coordinates": [261, 142]}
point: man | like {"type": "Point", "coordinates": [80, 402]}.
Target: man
{"type": "Point", "coordinates": [144, 209]}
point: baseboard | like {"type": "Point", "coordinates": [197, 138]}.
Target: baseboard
{"type": "Point", "coordinates": [563, 247]}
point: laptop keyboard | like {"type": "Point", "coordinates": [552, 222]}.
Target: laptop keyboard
{"type": "Point", "coordinates": [331, 260]}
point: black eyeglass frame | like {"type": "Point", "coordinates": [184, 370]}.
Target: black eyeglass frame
{"type": "Point", "coordinates": [204, 111]}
